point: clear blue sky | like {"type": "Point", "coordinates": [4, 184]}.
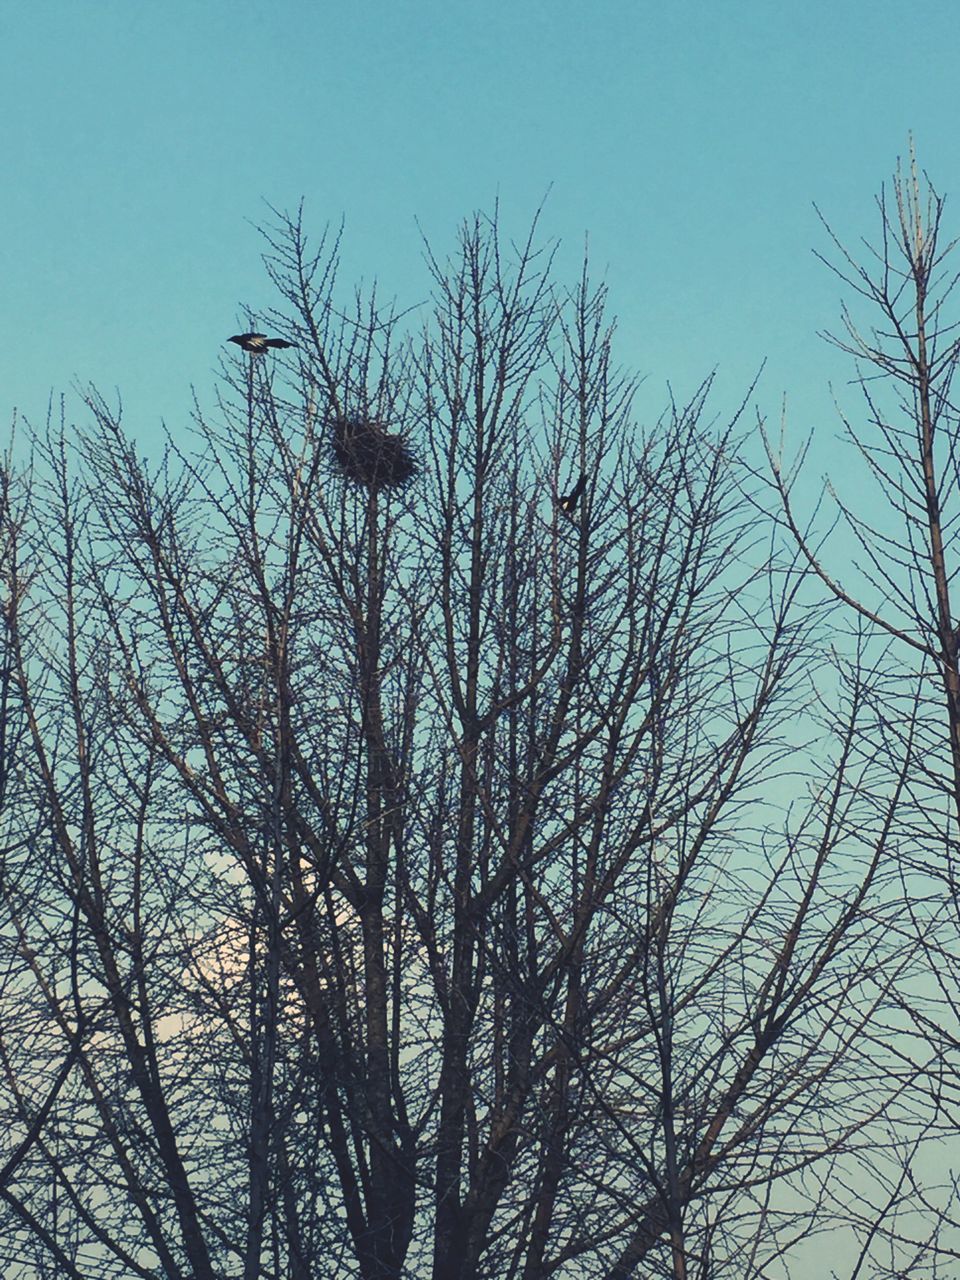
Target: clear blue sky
{"type": "Point", "coordinates": [140, 140]}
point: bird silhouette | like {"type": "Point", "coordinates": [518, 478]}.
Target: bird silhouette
{"type": "Point", "coordinates": [568, 502]}
{"type": "Point", "coordinates": [257, 343]}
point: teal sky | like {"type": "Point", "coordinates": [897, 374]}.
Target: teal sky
{"type": "Point", "coordinates": [140, 142]}
{"type": "Point", "coordinates": [688, 138]}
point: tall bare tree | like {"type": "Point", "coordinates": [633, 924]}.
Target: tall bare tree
{"type": "Point", "coordinates": [900, 582]}
{"type": "Point", "coordinates": [421, 878]}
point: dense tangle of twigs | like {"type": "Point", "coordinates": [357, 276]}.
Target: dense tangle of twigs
{"type": "Point", "coordinates": [370, 455]}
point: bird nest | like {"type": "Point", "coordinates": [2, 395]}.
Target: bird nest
{"type": "Point", "coordinates": [367, 453]}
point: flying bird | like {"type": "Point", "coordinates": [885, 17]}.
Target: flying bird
{"type": "Point", "coordinates": [568, 502]}
{"type": "Point", "coordinates": [257, 343]}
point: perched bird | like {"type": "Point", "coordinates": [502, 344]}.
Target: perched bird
{"type": "Point", "coordinates": [568, 502]}
{"type": "Point", "coordinates": [257, 343]}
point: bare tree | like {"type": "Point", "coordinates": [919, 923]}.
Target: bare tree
{"type": "Point", "coordinates": [901, 584]}
{"type": "Point", "coordinates": [408, 875]}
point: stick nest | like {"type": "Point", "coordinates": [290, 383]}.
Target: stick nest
{"type": "Point", "coordinates": [370, 455]}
